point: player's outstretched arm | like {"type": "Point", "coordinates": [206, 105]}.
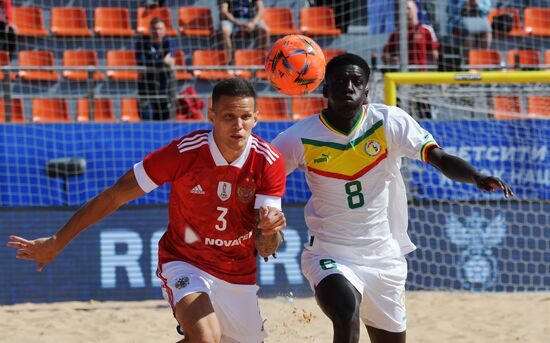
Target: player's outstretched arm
{"type": "Point", "coordinates": [457, 169]}
{"type": "Point", "coordinates": [268, 235]}
{"type": "Point", "coordinates": [44, 250]}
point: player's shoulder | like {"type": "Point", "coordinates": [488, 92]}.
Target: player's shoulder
{"type": "Point", "coordinates": [192, 140]}
{"type": "Point", "coordinates": [426, 27]}
{"type": "Point", "coordinates": [386, 112]}
{"type": "Point", "coordinates": [265, 149]}
{"type": "Point", "coordinates": [301, 128]}
{"type": "Point", "coordinates": [393, 117]}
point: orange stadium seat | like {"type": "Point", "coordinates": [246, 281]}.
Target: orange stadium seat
{"type": "Point", "coordinates": [507, 107]}
{"type": "Point", "coordinates": [547, 57]}
{"type": "Point", "coordinates": [29, 21]}
{"type": "Point", "coordinates": [50, 110]}
{"type": "Point", "coordinates": [304, 107]}
{"type": "Point", "coordinates": [129, 110]}
{"type": "Point", "coordinates": [523, 57]}
{"type": "Point", "coordinates": [537, 21]}
{"type": "Point", "coordinates": [318, 21]}
{"type": "Point", "coordinates": [121, 58]}
{"type": "Point", "coordinates": [516, 28]}
{"type": "Point", "coordinates": [538, 106]}
{"type": "Point", "coordinates": [250, 58]}
{"type": "Point", "coordinates": [80, 58]}
{"type": "Point", "coordinates": [145, 15]}
{"type": "Point", "coordinates": [69, 21]}
{"type": "Point", "coordinates": [484, 57]}
{"type": "Point", "coordinates": [196, 21]}
{"type": "Point", "coordinates": [37, 59]}
{"type": "Point", "coordinates": [279, 21]}
{"type": "Point", "coordinates": [5, 61]}
{"type": "Point", "coordinates": [272, 109]}
{"type": "Point", "coordinates": [331, 53]}
{"type": "Point", "coordinates": [180, 62]}
{"type": "Point", "coordinates": [103, 111]}
{"type": "Point", "coordinates": [16, 111]}
{"type": "Point", "coordinates": [203, 58]}
{"type": "Point", "coordinates": [112, 21]}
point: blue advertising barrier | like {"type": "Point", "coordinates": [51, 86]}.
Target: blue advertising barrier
{"type": "Point", "coordinates": [476, 248]}
{"type": "Point", "coordinates": [517, 151]}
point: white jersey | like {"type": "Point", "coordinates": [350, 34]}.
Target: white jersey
{"type": "Point", "coordinates": [358, 194]}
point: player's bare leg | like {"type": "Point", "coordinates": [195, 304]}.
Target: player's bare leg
{"type": "Point", "coordinates": [197, 319]}
{"type": "Point", "coordinates": [263, 38]}
{"type": "Point", "coordinates": [340, 301]}
{"type": "Point", "coordinates": [383, 336]}
{"type": "Point", "coordinates": [227, 43]}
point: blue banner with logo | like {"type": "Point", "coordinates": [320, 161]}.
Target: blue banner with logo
{"type": "Point", "coordinates": [515, 150]}
{"type": "Point", "coordinates": [497, 246]}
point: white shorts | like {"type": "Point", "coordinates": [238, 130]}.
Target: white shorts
{"type": "Point", "coordinates": [380, 281]}
{"type": "Point", "coordinates": [236, 306]}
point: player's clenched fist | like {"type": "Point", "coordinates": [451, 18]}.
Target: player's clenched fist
{"type": "Point", "coordinates": [268, 235]}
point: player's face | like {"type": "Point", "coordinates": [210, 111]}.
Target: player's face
{"type": "Point", "coordinates": [158, 31]}
{"type": "Point", "coordinates": [345, 88]}
{"type": "Point", "coordinates": [233, 119]}
{"type": "Point", "coordinates": [412, 12]}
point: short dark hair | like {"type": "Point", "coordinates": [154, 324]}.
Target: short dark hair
{"type": "Point", "coordinates": [155, 21]}
{"type": "Point", "coordinates": [347, 59]}
{"type": "Point", "coordinates": [233, 87]}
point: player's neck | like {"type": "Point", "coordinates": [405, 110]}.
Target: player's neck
{"type": "Point", "coordinates": [229, 154]}
{"type": "Point", "coordinates": [343, 121]}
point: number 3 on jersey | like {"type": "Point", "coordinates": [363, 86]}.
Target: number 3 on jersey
{"type": "Point", "coordinates": [222, 225]}
{"type": "Point", "coordinates": [355, 196]}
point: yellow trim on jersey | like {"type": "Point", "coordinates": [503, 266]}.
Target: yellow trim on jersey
{"type": "Point", "coordinates": [355, 126]}
{"type": "Point", "coordinates": [347, 161]}
{"type": "Point", "coordinates": [425, 148]}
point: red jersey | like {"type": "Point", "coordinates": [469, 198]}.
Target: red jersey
{"type": "Point", "coordinates": [421, 39]}
{"type": "Point", "coordinates": [211, 206]}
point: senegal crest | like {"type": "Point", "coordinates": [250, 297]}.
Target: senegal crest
{"type": "Point", "coordinates": [372, 148]}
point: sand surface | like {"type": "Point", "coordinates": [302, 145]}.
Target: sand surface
{"type": "Point", "coordinates": [433, 317]}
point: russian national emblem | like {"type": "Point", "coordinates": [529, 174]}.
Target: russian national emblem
{"type": "Point", "coordinates": [246, 190]}
{"type": "Point", "coordinates": [477, 267]}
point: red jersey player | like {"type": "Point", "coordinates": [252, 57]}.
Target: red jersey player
{"type": "Point", "coordinates": [225, 183]}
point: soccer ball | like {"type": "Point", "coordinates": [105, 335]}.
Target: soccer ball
{"type": "Point", "coordinates": [295, 65]}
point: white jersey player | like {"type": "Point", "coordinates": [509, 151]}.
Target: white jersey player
{"type": "Point", "coordinates": [357, 214]}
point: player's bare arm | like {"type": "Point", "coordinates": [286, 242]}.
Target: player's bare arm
{"type": "Point", "coordinates": [268, 235]}
{"type": "Point", "coordinates": [457, 169]}
{"type": "Point", "coordinates": [44, 250]}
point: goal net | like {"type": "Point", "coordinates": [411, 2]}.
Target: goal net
{"type": "Point", "coordinates": [75, 114]}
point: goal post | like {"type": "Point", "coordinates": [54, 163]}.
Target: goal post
{"type": "Point", "coordinates": [392, 80]}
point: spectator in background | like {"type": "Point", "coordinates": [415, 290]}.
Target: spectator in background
{"type": "Point", "coordinates": [152, 3]}
{"type": "Point", "coordinates": [156, 85]}
{"type": "Point", "coordinates": [469, 24]}
{"type": "Point", "coordinates": [422, 45]}
{"type": "Point", "coordinates": [242, 15]}
{"type": "Point", "coordinates": [7, 31]}
{"type": "Point", "coordinates": [422, 41]}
